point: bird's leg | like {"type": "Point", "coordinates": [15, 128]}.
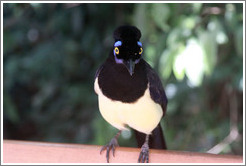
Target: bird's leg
{"type": "Point", "coordinates": [111, 145]}
{"type": "Point", "coordinates": [144, 154]}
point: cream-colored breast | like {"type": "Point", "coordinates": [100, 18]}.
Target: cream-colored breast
{"type": "Point", "coordinates": [143, 115]}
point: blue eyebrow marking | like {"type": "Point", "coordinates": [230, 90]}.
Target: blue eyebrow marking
{"type": "Point", "coordinates": [139, 43]}
{"type": "Point", "coordinates": [118, 43]}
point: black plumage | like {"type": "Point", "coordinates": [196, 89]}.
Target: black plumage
{"type": "Point", "coordinates": [117, 84]}
{"type": "Point", "coordinates": [157, 92]}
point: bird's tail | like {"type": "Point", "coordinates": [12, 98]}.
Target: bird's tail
{"type": "Point", "coordinates": [156, 139]}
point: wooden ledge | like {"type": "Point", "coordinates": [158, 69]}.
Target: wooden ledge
{"type": "Point", "coordinates": [42, 152]}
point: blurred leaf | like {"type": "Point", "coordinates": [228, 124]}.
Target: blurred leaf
{"type": "Point", "coordinates": [239, 41]}
{"type": "Point", "coordinates": [166, 63]}
{"type": "Point", "coordinates": [140, 18]}
{"type": "Point", "coordinates": [196, 7]}
{"type": "Point", "coordinates": [194, 53]}
{"type": "Point", "coordinates": [230, 16]}
{"type": "Point", "coordinates": [179, 66]}
{"type": "Point", "coordinates": [160, 14]}
{"type": "Point", "coordinates": [209, 45]}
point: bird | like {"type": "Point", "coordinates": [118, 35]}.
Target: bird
{"type": "Point", "coordinates": [130, 93]}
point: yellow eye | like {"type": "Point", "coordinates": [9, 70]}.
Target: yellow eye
{"type": "Point", "coordinates": [116, 50]}
{"type": "Point", "coordinates": [141, 50]}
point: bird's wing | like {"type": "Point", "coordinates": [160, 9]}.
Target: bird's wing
{"type": "Point", "coordinates": [96, 86]}
{"type": "Point", "coordinates": [157, 92]}
{"type": "Point", "coordinates": [98, 71]}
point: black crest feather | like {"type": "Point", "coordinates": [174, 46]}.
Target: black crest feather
{"type": "Point", "coordinates": [127, 32]}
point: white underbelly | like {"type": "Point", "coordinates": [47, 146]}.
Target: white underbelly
{"type": "Point", "coordinates": [143, 115]}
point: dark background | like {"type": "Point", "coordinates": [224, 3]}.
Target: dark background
{"type": "Point", "coordinates": [51, 53]}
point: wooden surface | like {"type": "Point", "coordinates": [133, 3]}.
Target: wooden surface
{"type": "Point", "coordinates": [41, 152]}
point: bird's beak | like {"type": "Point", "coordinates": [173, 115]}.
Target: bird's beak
{"type": "Point", "coordinates": [130, 65]}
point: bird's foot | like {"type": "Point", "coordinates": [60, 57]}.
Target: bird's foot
{"type": "Point", "coordinates": [110, 146]}
{"type": "Point", "coordinates": [144, 154]}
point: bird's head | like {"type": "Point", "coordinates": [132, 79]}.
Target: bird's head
{"type": "Point", "coordinates": [127, 47]}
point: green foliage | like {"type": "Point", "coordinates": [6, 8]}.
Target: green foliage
{"type": "Point", "coordinates": [51, 53]}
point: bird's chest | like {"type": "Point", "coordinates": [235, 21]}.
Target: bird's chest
{"type": "Point", "coordinates": [143, 114]}
{"type": "Point", "coordinates": [118, 85]}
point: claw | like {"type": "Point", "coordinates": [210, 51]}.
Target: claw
{"type": "Point", "coordinates": [110, 146]}
{"type": "Point", "coordinates": [144, 154]}
{"type": "Point", "coordinates": [113, 149]}
{"type": "Point", "coordinates": [140, 156]}
{"type": "Point", "coordinates": [102, 149]}
{"type": "Point", "coordinates": [147, 158]}
{"type": "Point", "coordinates": [107, 155]}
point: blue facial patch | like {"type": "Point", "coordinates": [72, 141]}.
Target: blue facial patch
{"type": "Point", "coordinates": [139, 43]}
{"type": "Point", "coordinates": [118, 43]}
